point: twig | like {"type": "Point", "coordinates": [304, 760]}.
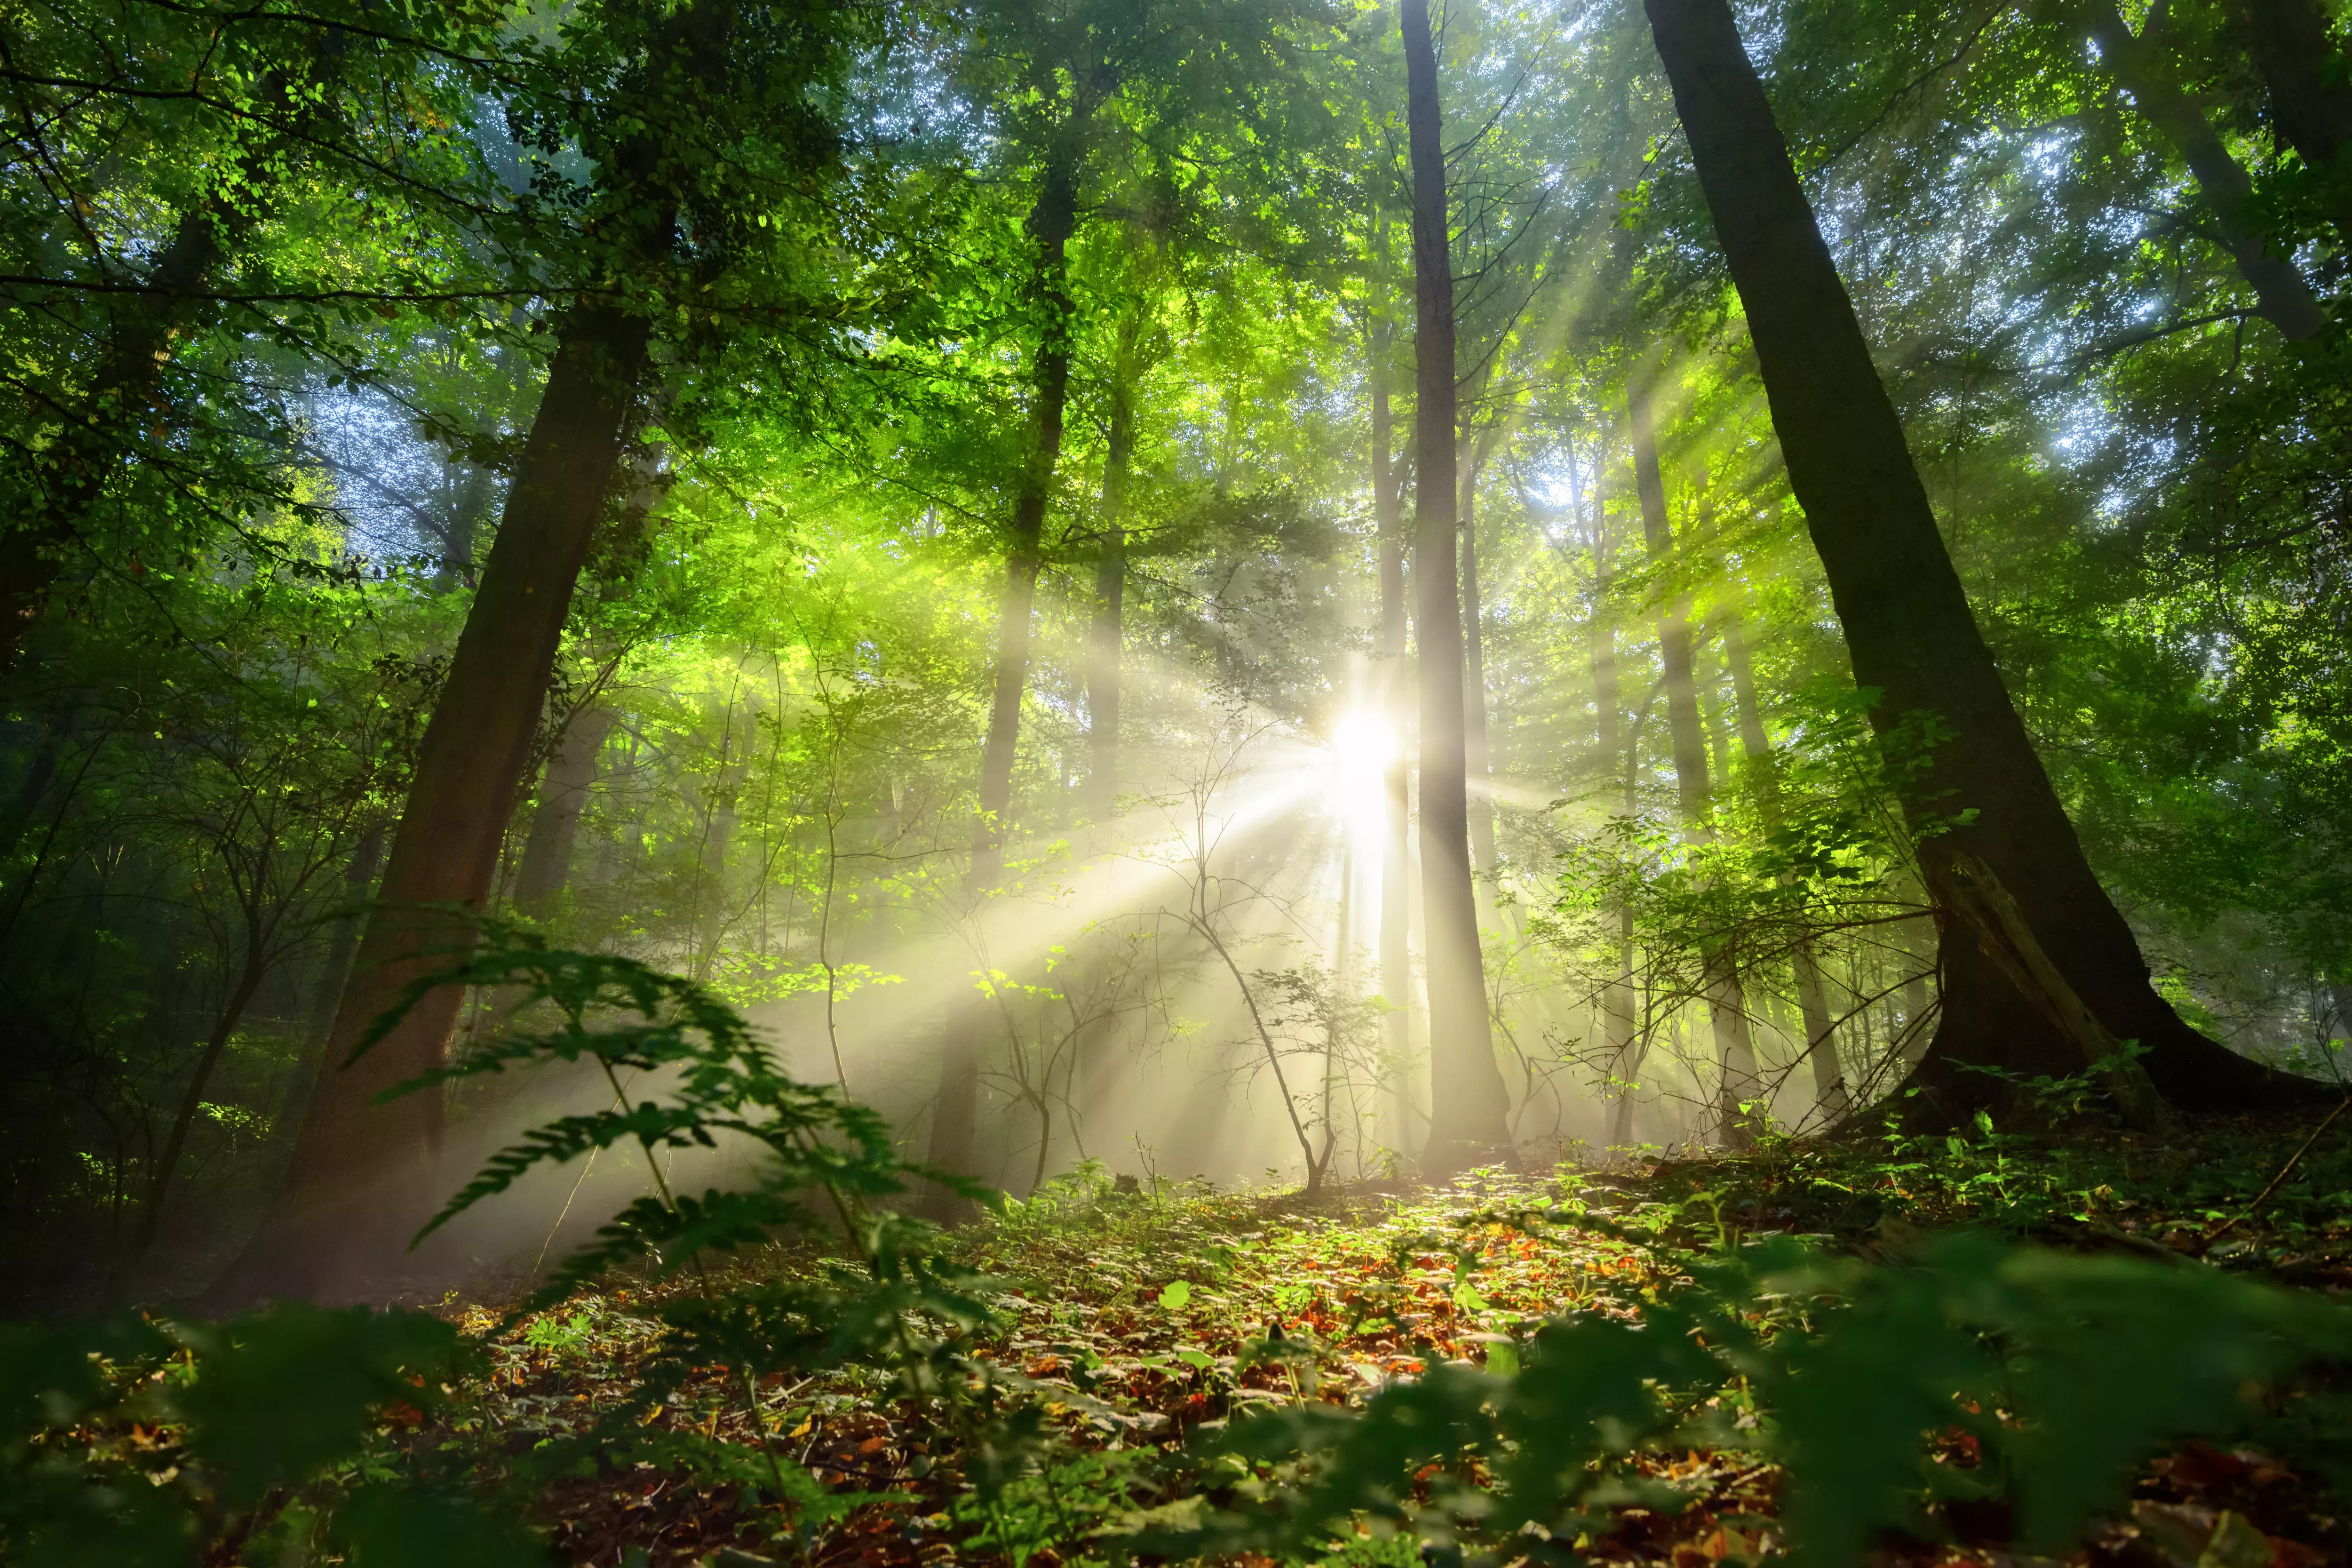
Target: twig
{"type": "Point", "coordinates": [2285, 1171]}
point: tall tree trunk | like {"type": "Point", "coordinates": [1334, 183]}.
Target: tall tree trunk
{"type": "Point", "coordinates": [1819, 1044]}
{"type": "Point", "coordinates": [1909, 631]}
{"type": "Point", "coordinates": [2289, 43]}
{"type": "Point", "coordinates": [1727, 1001]}
{"type": "Point", "coordinates": [358, 1182]}
{"type": "Point", "coordinates": [1106, 635]}
{"type": "Point", "coordinates": [1617, 1001]}
{"type": "Point", "coordinates": [1105, 641]}
{"type": "Point", "coordinates": [563, 796]}
{"type": "Point", "coordinates": [1469, 1109]}
{"type": "Point", "coordinates": [2140, 68]}
{"type": "Point", "coordinates": [955, 1121]}
{"type": "Point", "coordinates": [1388, 518]}
{"type": "Point", "coordinates": [1474, 692]}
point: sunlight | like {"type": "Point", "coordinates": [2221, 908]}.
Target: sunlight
{"type": "Point", "coordinates": [1363, 747]}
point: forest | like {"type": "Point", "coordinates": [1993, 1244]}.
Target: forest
{"type": "Point", "coordinates": [1477, 782]}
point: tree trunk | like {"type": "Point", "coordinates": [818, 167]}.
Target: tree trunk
{"type": "Point", "coordinates": [1617, 1002]}
{"type": "Point", "coordinates": [1469, 1108]}
{"type": "Point", "coordinates": [1396, 896]}
{"type": "Point", "coordinates": [1727, 1000]}
{"type": "Point", "coordinates": [2138, 66]}
{"type": "Point", "coordinates": [1106, 635]}
{"type": "Point", "coordinates": [2289, 43]}
{"type": "Point", "coordinates": [1473, 693]}
{"type": "Point", "coordinates": [563, 796]}
{"type": "Point", "coordinates": [357, 1186]}
{"type": "Point", "coordinates": [1105, 643]}
{"type": "Point", "coordinates": [955, 1122]}
{"type": "Point", "coordinates": [1909, 631]}
{"type": "Point", "coordinates": [1821, 1045]}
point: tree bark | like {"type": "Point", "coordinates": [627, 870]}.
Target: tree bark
{"type": "Point", "coordinates": [1106, 635]}
{"type": "Point", "coordinates": [358, 1183]}
{"type": "Point", "coordinates": [2289, 43]}
{"type": "Point", "coordinates": [2283, 296]}
{"type": "Point", "coordinates": [562, 795]}
{"type": "Point", "coordinates": [1469, 1107]}
{"type": "Point", "coordinates": [1105, 643]}
{"type": "Point", "coordinates": [1727, 1000]}
{"type": "Point", "coordinates": [1909, 631]}
{"type": "Point", "coordinates": [1473, 693]}
{"type": "Point", "coordinates": [955, 1121]}
{"type": "Point", "coordinates": [1618, 1007]}
{"type": "Point", "coordinates": [1821, 1045]}
{"type": "Point", "coordinates": [1388, 516]}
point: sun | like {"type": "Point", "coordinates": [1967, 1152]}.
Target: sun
{"type": "Point", "coordinates": [1361, 748]}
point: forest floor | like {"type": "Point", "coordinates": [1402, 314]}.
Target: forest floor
{"type": "Point", "coordinates": [1141, 1317]}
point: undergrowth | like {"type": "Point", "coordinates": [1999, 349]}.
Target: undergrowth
{"type": "Point", "coordinates": [2067, 1342]}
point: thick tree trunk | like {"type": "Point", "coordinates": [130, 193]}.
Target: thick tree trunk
{"type": "Point", "coordinates": [358, 1183]}
{"type": "Point", "coordinates": [563, 789]}
{"type": "Point", "coordinates": [1908, 628]}
{"type": "Point", "coordinates": [2138, 66]}
{"type": "Point", "coordinates": [955, 1120]}
{"type": "Point", "coordinates": [2290, 46]}
{"type": "Point", "coordinates": [1469, 1108]}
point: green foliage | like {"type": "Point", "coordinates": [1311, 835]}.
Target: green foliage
{"type": "Point", "coordinates": [1856, 1377]}
{"type": "Point", "coordinates": [143, 1442]}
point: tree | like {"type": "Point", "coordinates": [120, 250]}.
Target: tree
{"type": "Point", "coordinates": [360, 1167]}
{"type": "Point", "coordinates": [1469, 1108]}
{"type": "Point", "coordinates": [1982, 790]}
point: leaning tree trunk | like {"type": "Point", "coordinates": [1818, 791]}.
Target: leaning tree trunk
{"type": "Point", "coordinates": [1469, 1108]}
{"type": "Point", "coordinates": [2282, 295]}
{"type": "Point", "coordinates": [1727, 1000]}
{"type": "Point", "coordinates": [955, 1121]}
{"type": "Point", "coordinates": [357, 1186]}
{"type": "Point", "coordinates": [1911, 636]}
